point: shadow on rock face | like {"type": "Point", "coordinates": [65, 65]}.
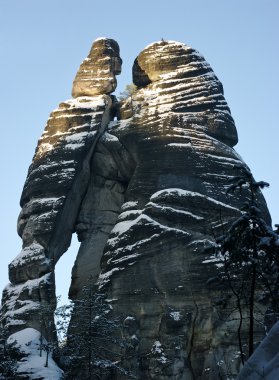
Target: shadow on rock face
{"type": "Point", "coordinates": [160, 58]}
{"type": "Point", "coordinates": [140, 77]}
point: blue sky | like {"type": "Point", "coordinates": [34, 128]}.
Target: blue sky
{"type": "Point", "coordinates": [43, 43]}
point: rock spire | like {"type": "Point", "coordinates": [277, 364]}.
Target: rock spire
{"type": "Point", "coordinates": [56, 183]}
{"type": "Point", "coordinates": [146, 195]}
{"type": "Point", "coordinates": [96, 75]}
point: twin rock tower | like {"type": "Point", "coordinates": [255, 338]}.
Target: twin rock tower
{"type": "Point", "coordinates": [142, 181]}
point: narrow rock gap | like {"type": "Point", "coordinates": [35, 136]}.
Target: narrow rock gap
{"type": "Point", "coordinates": [63, 270]}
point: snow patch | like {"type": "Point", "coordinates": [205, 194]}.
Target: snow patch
{"type": "Point", "coordinates": [175, 315]}
{"type": "Point", "coordinates": [216, 259]}
{"type": "Point", "coordinates": [106, 137]}
{"type": "Point", "coordinates": [185, 193]}
{"type": "Point", "coordinates": [104, 278]}
{"type": "Point", "coordinates": [28, 342]}
{"type": "Point", "coordinates": [122, 227]}
{"type": "Point", "coordinates": [169, 42]}
{"type": "Point", "coordinates": [77, 137]}
{"type": "Point", "coordinates": [181, 145]}
{"type": "Point", "coordinates": [47, 200]}
{"type": "Point", "coordinates": [92, 102]}
{"type": "Point", "coordinates": [44, 148]}
{"type": "Point", "coordinates": [13, 295]}
{"type": "Point", "coordinates": [74, 146]}
{"type": "Point", "coordinates": [175, 210]}
{"type": "Point", "coordinates": [33, 250]}
{"type": "Point", "coordinates": [128, 205]}
{"type": "Point", "coordinates": [130, 248]}
{"type": "Point", "coordinates": [157, 349]}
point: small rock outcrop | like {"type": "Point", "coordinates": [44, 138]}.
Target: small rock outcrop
{"type": "Point", "coordinates": [96, 75]}
{"type": "Point", "coordinates": [146, 195]}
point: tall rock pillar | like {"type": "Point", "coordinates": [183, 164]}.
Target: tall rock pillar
{"type": "Point", "coordinates": [159, 260]}
{"type": "Point", "coordinates": [56, 184]}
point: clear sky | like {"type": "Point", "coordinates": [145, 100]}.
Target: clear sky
{"type": "Point", "coordinates": [42, 44]}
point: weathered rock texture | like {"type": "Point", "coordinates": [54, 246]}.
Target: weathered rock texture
{"type": "Point", "coordinates": [96, 75]}
{"type": "Point", "coordinates": [56, 184]}
{"type": "Point", "coordinates": [147, 196]}
{"type": "Point", "coordinates": [180, 133]}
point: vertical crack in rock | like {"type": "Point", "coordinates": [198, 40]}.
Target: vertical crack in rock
{"type": "Point", "coordinates": [65, 224]}
{"type": "Point", "coordinates": [192, 339]}
{"type": "Point", "coordinates": [144, 194]}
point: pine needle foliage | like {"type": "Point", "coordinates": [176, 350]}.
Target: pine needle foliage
{"type": "Point", "coordinates": [94, 343]}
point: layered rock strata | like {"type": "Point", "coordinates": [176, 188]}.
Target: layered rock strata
{"type": "Point", "coordinates": [180, 132]}
{"type": "Point", "coordinates": [147, 196]}
{"type": "Point", "coordinates": [56, 184]}
{"type": "Point", "coordinates": [96, 75]}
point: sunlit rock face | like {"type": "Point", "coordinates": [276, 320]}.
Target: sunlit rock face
{"type": "Point", "coordinates": [56, 184]}
{"type": "Point", "coordinates": [96, 74]}
{"type": "Point", "coordinates": [146, 195]}
{"type": "Point", "coordinates": [187, 86]}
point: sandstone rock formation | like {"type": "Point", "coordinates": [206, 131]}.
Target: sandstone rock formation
{"type": "Point", "coordinates": [56, 183]}
{"type": "Point", "coordinates": [180, 133]}
{"type": "Point", "coordinates": [146, 195]}
{"type": "Point", "coordinates": [96, 75]}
